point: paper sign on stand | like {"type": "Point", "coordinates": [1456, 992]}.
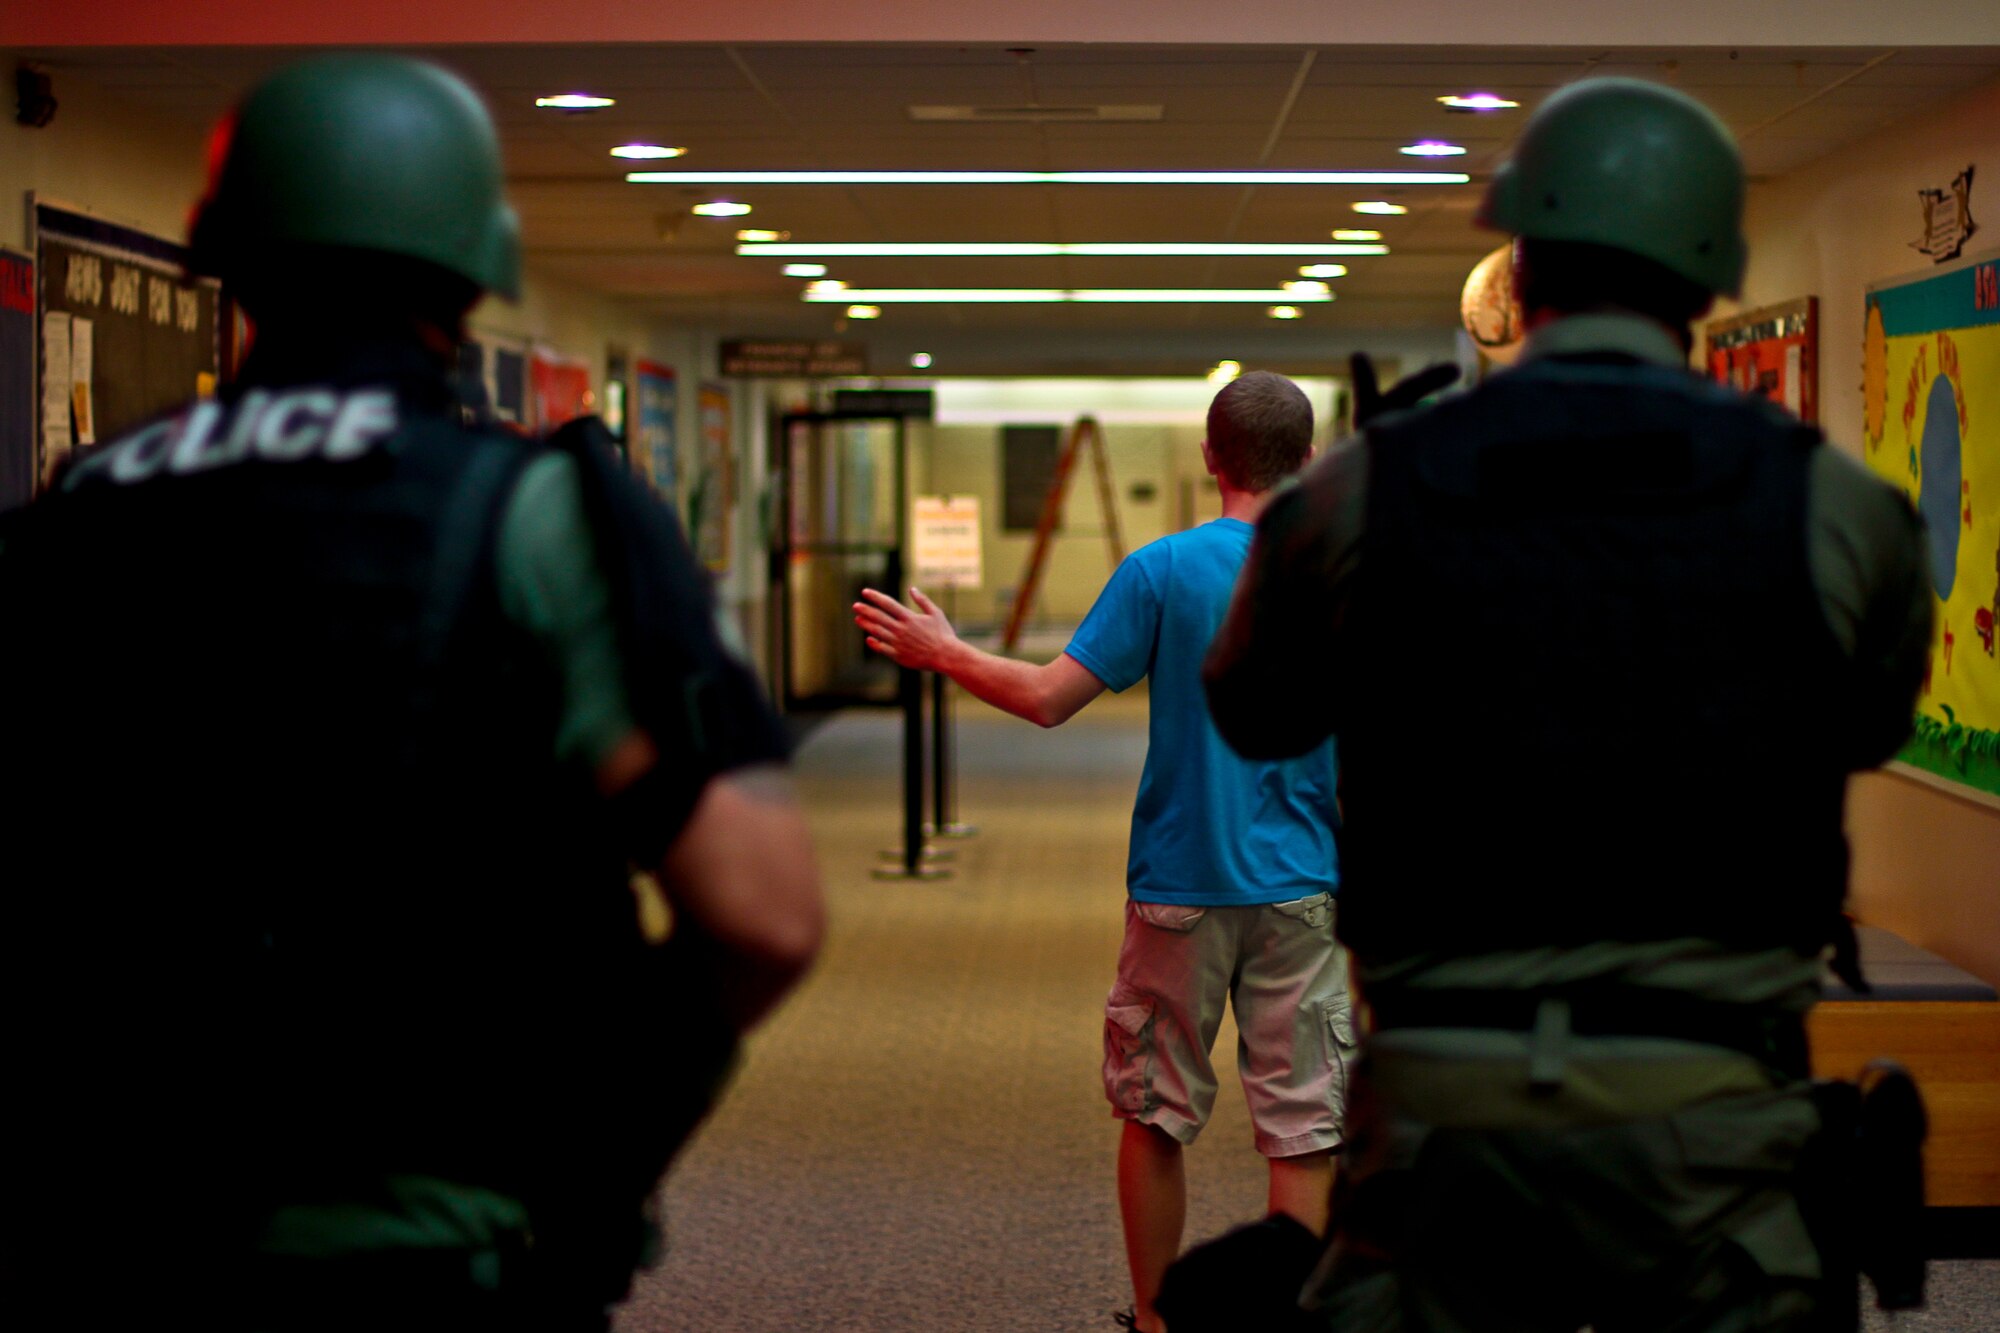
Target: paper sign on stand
{"type": "Point", "coordinates": [945, 549]}
{"type": "Point", "coordinates": [81, 357]}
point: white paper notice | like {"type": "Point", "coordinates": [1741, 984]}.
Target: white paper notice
{"type": "Point", "coordinates": [81, 355]}
{"type": "Point", "coordinates": [944, 541]}
{"type": "Point", "coordinates": [1795, 370]}
{"type": "Point", "coordinates": [56, 385]}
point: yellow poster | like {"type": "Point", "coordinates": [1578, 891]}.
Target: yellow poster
{"type": "Point", "coordinates": [1931, 380]}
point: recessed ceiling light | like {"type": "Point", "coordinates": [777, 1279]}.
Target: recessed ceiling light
{"type": "Point", "coordinates": [1305, 289]}
{"type": "Point", "coordinates": [759, 234]}
{"type": "Point", "coordinates": [1356, 234]}
{"type": "Point", "coordinates": [864, 312]}
{"type": "Point", "coordinates": [1285, 312]}
{"type": "Point", "coordinates": [721, 208]}
{"type": "Point", "coordinates": [827, 286]}
{"type": "Point", "coordinates": [646, 150]}
{"type": "Point", "coordinates": [1382, 207]}
{"type": "Point", "coordinates": [805, 270]}
{"type": "Point", "coordinates": [920, 360]}
{"type": "Point", "coordinates": [1432, 148]}
{"type": "Point", "coordinates": [1322, 270]}
{"type": "Point", "coordinates": [1476, 102]}
{"type": "Point", "coordinates": [1053, 295]}
{"type": "Point", "coordinates": [576, 102]}
{"type": "Point", "coordinates": [1225, 371]}
{"type": "Point", "coordinates": [1047, 177]}
{"type": "Point", "coordinates": [935, 249]}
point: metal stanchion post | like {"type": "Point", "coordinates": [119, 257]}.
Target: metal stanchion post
{"type": "Point", "coordinates": [913, 854]}
{"type": "Point", "coordinates": [944, 768]}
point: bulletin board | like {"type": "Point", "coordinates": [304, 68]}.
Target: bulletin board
{"type": "Point", "coordinates": [1931, 423]}
{"type": "Point", "coordinates": [561, 387]}
{"type": "Point", "coordinates": [1772, 352]}
{"type": "Point", "coordinates": [123, 335]}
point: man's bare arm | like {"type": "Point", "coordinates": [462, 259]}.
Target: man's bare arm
{"type": "Point", "coordinates": [923, 639]}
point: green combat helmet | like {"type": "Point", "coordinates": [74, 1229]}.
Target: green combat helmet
{"type": "Point", "coordinates": [366, 152]}
{"type": "Point", "coordinates": [1630, 165]}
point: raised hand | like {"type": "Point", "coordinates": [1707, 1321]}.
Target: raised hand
{"type": "Point", "coordinates": [918, 638]}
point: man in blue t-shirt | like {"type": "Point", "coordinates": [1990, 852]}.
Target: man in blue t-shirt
{"type": "Point", "coordinates": [1232, 867]}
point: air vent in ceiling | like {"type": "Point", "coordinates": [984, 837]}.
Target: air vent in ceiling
{"type": "Point", "coordinates": [1036, 112]}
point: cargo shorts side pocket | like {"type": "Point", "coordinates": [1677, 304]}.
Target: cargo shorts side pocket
{"type": "Point", "coordinates": [1343, 1045]}
{"type": "Point", "coordinates": [1129, 1051]}
{"type": "Point", "coordinates": [1169, 916]}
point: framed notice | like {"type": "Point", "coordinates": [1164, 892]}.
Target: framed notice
{"type": "Point", "coordinates": [945, 551]}
{"type": "Point", "coordinates": [123, 334]}
{"type": "Point", "coordinates": [653, 444]}
{"type": "Point", "coordinates": [1772, 352]}
{"type": "Point", "coordinates": [1931, 426]}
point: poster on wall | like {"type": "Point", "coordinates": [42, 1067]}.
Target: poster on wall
{"type": "Point", "coordinates": [124, 335]}
{"type": "Point", "coordinates": [653, 452]}
{"type": "Point", "coordinates": [561, 389]}
{"type": "Point", "coordinates": [712, 487]}
{"type": "Point", "coordinates": [17, 379]}
{"type": "Point", "coordinates": [1931, 425]}
{"type": "Point", "coordinates": [1772, 352]}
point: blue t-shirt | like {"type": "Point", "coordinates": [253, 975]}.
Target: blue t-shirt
{"type": "Point", "coordinates": [1209, 829]}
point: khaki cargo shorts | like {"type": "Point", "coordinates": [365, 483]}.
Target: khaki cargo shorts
{"type": "Point", "coordinates": [1279, 970]}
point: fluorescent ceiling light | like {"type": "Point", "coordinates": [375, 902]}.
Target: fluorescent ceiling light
{"type": "Point", "coordinates": [646, 150]}
{"type": "Point", "coordinates": [935, 249]}
{"type": "Point", "coordinates": [1322, 270]}
{"type": "Point", "coordinates": [1432, 148]}
{"type": "Point", "coordinates": [805, 270]}
{"type": "Point", "coordinates": [1054, 295]}
{"type": "Point", "coordinates": [1356, 234]}
{"type": "Point", "coordinates": [1047, 177]}
{"type": "Point", "coordinates": [721, 208]}
{"type": "Point", "coordinates": [1285, 312]}
{"type": "Point", "coordinates": [1476, 102]}
{"type": "Point", "coordinates": [759, 234]}
{"type": "Point", "coordinates": [1382, 207]}
{"type": "Point", "coordinates": [864, 312]}
{"type": "Point", "coordinates": [576, 102]}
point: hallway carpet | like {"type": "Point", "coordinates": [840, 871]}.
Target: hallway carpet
{"type": "Point", "coordinates": [919, 1140]}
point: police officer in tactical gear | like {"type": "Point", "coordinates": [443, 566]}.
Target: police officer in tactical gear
{"type": "Point", "coordinates": [1600, 643]}
{"type": "Point", "coordinates": [329, 1001]}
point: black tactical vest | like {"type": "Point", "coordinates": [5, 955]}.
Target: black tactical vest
{"type": "Point", "coordinates": [1590, 674]}
{"type": "Point", "coordinates": [304, 877]}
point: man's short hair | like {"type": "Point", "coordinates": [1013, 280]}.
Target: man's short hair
{"type": "Point", "coordinates": [1575, 277]}
{"type": "Point", "coordinates": [1260, 430]}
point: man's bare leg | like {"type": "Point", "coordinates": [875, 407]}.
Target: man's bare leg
{"type": "Point", "coordinates": [1152, 1202]}
{"type": "Point", "coordinates": [1303, 1187]}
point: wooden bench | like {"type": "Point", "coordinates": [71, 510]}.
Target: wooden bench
{"type": "Point", "coordinates": [1943, 1024]}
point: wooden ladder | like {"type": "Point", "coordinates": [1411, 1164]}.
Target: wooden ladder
{"type": "Point", "coordinates": [1085, 431]}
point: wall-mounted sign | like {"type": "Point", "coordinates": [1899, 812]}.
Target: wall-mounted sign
{"type": "Point", "coordinates": [916, 404]}
{"type": "Point", "coordinates": [944, 542]}
{"type": "Point", "coordinates": [778, 359]}
{"type": "Point", "coordinates": [1947, 218]}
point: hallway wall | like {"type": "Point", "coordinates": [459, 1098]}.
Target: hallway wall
{"type": "Point", "coordinates": [1926, 862]}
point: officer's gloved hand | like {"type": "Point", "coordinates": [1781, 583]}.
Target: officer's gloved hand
{"type": "Point", "coordinates": [1371, 400]}
{"type": "Point", "coordinates": [1246, 1279]}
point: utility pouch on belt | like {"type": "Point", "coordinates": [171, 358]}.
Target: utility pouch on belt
{"type": "Point", "coordinates": [1862, 1190]}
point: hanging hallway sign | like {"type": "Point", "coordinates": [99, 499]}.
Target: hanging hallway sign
{"type": "Point", "coordinates": [792, 360]}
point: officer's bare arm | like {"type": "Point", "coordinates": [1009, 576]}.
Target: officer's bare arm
{"type": "Point", "coordinates": [1047, 696]}
{"type": "Point", "coordinates": [742, 880]}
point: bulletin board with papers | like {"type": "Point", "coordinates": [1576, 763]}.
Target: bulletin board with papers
{"type": "Point", "coordinates": [122, 334]}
